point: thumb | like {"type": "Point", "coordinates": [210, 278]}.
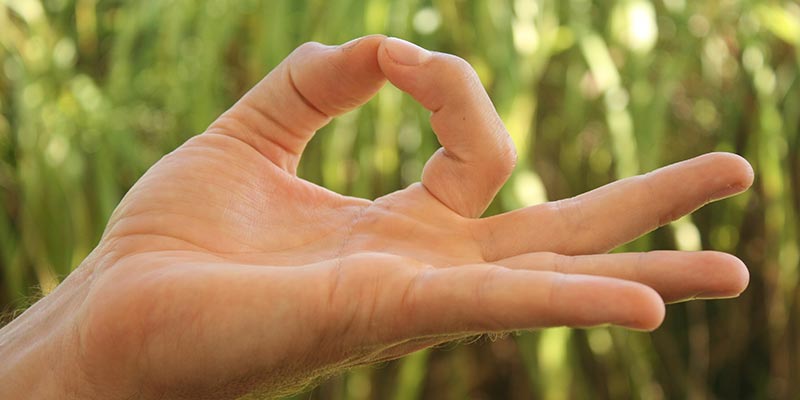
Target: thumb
{"type": "Point", "coordinates": [315, 83]}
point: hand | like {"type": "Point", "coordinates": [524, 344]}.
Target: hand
{"type": "Point", "coordinates": [221, 273]}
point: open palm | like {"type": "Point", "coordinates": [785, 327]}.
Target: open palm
{"type": "Point", "coordinates": [222, 273]}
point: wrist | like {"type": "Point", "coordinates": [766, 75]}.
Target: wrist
{"type": "Point", "coordinates": [39, 349]}
{"type": "Point", "coordinates": [31, 366]}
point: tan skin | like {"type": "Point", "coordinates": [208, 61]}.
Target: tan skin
{"type": "Point", "coordinates": [223, 274]}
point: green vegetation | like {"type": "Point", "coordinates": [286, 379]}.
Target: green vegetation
{"type": "Point", "coordinates": [92, 92]}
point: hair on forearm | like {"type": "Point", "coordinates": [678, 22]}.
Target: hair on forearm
{"type": "Point", "coordinates": [11, 311]}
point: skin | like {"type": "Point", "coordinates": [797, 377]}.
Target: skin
{"type": "Point", "coordinates": [223, 274]}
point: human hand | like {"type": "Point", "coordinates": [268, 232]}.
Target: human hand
{"type": "Point", "coordinates": [221, 273]}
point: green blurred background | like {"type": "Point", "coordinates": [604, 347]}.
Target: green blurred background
{"type": "Point", "coordinates": [92, 92]}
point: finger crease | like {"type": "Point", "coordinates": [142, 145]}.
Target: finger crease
{"type": "Point", "coordinates": [302, 96]}
{"type": "Point", "coordinates": [264, 112]}
{"type": "Point", "coordinates": [552, 296]}
{"type": "Point", "coordinates": [640, 263]}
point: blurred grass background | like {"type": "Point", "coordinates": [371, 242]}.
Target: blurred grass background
{"type": "Point", "coordinates": [92, 92]}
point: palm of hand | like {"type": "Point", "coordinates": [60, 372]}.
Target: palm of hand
{"type": "Point", "coordinates": [234, 218]}
{"type": "Point", "coordinates": [224, 272]}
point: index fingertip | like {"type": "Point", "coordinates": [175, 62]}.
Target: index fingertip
{"type": "Point", "coordinates": [741, 173]}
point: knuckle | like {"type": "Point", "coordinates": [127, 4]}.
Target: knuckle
{"type": "Point", "coordinates": [571, 211]}
{"type": "Point", "coordinates": [483, 294]}
{"type": "Point", "coordinates": [556, 290]}
{"type": "Point", "coordinates": [500, 160]}
{"type": "Point", "coordinates": [358, 294]}
{"type": "Point", "coordinates": [560, 263]}
{"type": "Point", "coordinates": [508, 154]}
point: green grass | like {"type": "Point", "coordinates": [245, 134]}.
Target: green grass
{"type": "Point", "coordinates": [92, 92]}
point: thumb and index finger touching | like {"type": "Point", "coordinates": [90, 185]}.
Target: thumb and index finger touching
{"type": "Point", "coordinates": [477, 154]}
{"type": "Point", "coordinates": [316, 83]}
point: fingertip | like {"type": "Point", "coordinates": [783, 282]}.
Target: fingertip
{"type": "Point", "coordinates": [404, 53]}
{"type": "Point", "coordinates": [740, 275]}
{"type": "Point", "coordinates": [616, 301]}
{"type": "Point", "coordinates": [745, 169]}
{"type": "Point", "coordinates": [392, 70]}
{"type": "Point", "coordinates": [732, 277]}
{"type": "Point", "coordinates": [656, 311]}
{"type": "Point", "coordinates": [740, 173]}
{"type": "Point", "coordinates": [371, 41]}
{"type": "Point", "coordinates": [645, 309]}
{"type": "Point", "coordinates": [336, 79]}
{"type": "Point", "coordinates": [361, 51]}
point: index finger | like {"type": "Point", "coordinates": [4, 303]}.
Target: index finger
{"type": "Point", "coordinates": [477, 154]}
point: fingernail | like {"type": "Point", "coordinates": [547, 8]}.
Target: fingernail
{"type": "Point", "coordinates": [406, 53]}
